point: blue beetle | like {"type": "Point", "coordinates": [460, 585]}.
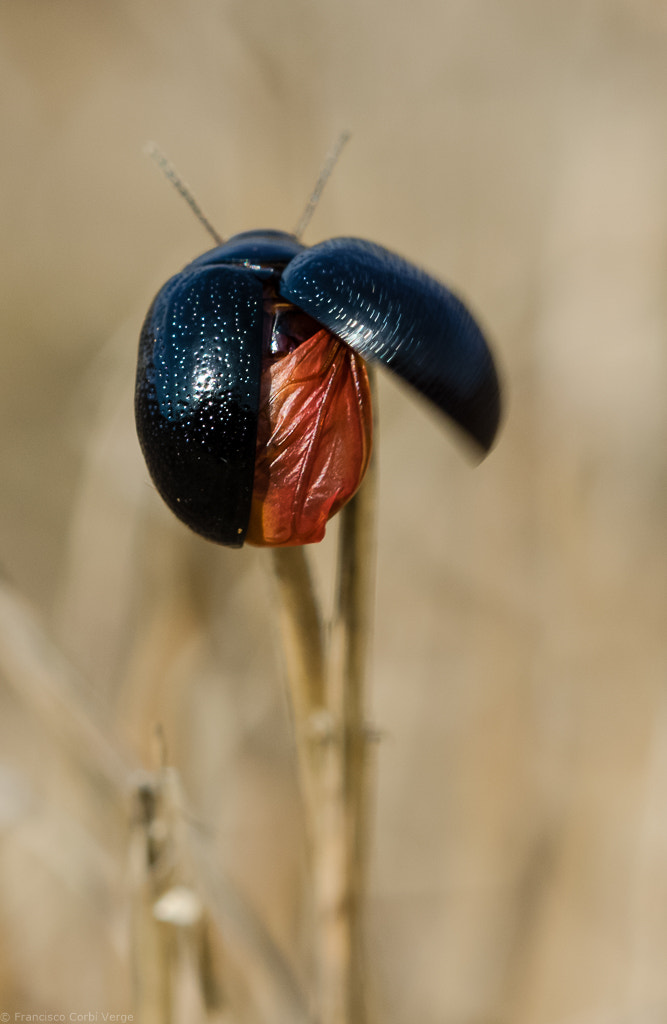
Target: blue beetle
{"type": "Point", "coordinates": [252, 400]}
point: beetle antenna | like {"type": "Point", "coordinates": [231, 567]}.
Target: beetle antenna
{"type": "Point", "coordinates": [172, 175]}
{"type": "Point", "coordinates": [325, 174]}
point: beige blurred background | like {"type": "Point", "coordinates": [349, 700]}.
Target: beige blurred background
{"type": "Point", "coordinates": [517, 150]}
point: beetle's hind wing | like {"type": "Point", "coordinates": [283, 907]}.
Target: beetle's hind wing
{"type": "Point", "coordinates": [388, 310]}
{"type": "Point", "coordinates": [197, 397]}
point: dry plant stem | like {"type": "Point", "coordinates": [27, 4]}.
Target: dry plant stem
{"type": "Point", "coordinates": [154, 951]}
{"type": "Point", "coordinates": [303, 644]}
{"type": "Point", "coordinates": [327, 689]}
{"type": "Point", "coordinates": [301, 629]}
{"type": "Point", "coordinates": [65, 705]}
{"type": "Point", "coordinates": [349, 660]}
{"type": "Point", "coordinates": [170, 848]}
{"type": "Point", "coordinates": [174, 973]}
{"type": "Point", "coordinates": [172, 954]}
{"type": "Point", "coordinates": [348, 788]}
{"type": "Point", "coordinates": [348, 666]}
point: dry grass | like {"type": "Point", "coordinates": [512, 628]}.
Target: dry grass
{"type": "Point", "coordinates": [519, 863]}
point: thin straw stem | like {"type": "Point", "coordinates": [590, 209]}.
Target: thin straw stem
{"type": "Point", "coordinates": [346, 681]}
{"type": "Point", "coordinates": [327, 687]}
{"type": "Point", "coordinates": [349, 661]}
{"type": "Point", "coordinates": [302, 638]}
{"type": "Point", "coordinates": [301, 626]}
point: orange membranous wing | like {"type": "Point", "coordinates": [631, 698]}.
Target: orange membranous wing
{"type": "Point", "coordinates": [313, 441]}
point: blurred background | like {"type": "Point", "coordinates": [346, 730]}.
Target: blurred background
{"type": "Point", "coordinates": [518, 151]}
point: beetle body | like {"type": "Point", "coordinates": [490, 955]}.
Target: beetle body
{"type": "Point", "coordinates": [252, 400]}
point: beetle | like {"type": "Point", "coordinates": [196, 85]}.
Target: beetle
{"type": "Point", "coordinates": [252, 399]}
